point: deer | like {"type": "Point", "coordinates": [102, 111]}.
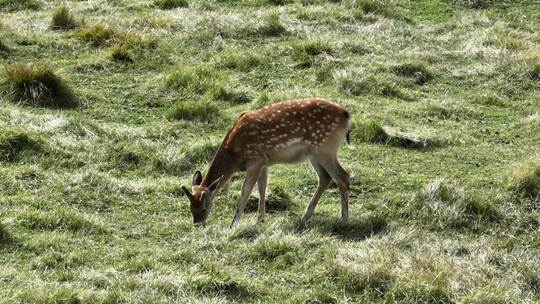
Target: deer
{"type": "Point", "coordinates": [282, 133]}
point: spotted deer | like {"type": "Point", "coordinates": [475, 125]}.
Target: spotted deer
{"type": "Point", "coordinates": [285, 132]}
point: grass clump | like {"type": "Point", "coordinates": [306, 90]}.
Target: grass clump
{"type": "Point", "coordinates": [277, 200]}
{"type": "Point", "coordinates": [441, 191]}
{"type": "Point", "coordinates": [475, 4]}
{"type": "Point", "coordinates": [271, 27]}
{"type": "Point", "coordinates": [525, 180]}
{"type": "Point", "coordinates": [231, 95]}
{"type": "Point", "coordinates": [37, 84]}
{"type": "Point", "coordinates": [375, 281]}
{"type": "Point", "coordinates": [170, 4]}
{"type": "Point", "coordinates": [200, 110]}
{"type": "Point", "coordinates": [277, 249]}
{"type": "Point", "coordinates": [239, 60]}
{"type": "Point", "coordinates": [357, 84]}
{"type": "Point", "coordinates": [16, 5]}
{"type": "Point", "coordinates": [98, 34]}
{"type": "Point", "coordinates": [489, 99]}
{"type": "Point", "coordinates": [59, 219]}
{"type": "Point", "coordinates": [534, 72]}
{"type": "Point", "coordinates": [372, 132]}
{"type": "Point", "coordinates": [121, 53]}
{"type": "Point", "coordinates": [4, 49]}
{"type": "Point", "coordinates": [62, 18]}
{"type": "Point", "coordinates": [417, 71]}
{"type": "Point", "coordinates": [306, 53]}
{"type": "Point", "coordinates": [216, 280]}
{"type": "Point", "coordinates": [192, 79]}
{"type": "Point", "coordinates": [16, 143]}
{"type": "Point", "coordinates": [443, 204]}
{"type": "Point", "coordinates": [5, 236]}
{"type": "Point", "coordinates": [366, 9]}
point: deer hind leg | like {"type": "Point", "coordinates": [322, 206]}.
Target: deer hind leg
{"type": "Point", "coordinates": [252, 175]}
{"type": "Point", "coordinates": [341, 177]}
{"type": "Point", "coordinates": [261, 184]}
{"type": "Point", "coordinates": [324, 180]}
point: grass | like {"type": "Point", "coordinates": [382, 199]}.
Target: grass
{"type": "Point", "coordinates": [16, 143]}
{"type": "Point", "coordinates": [204, 111]}
{"type": "Point", "coordinates": [62, 18]}
{"type": "Point", "coordinates": [170, 4]}
{"type": "Point", "coordinates": [443, 98]}
{"type": "Point", "coordinates": [99, 34]}
{"type": "Point", "coordinates": [121, 53]}
{"type": "Point", "coordinates": [525, 180]}
{"type": "Point", "coordinates": [16, 5]}
{"type": "Point", "coordinates": [36, 84]}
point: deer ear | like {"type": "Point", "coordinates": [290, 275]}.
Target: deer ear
{"type": "Point", "coordinates": [197, 178]}
{"type": "Point", "coordinates": [214, 184]}
{"type": "Point", "coordinates": [186, 191]}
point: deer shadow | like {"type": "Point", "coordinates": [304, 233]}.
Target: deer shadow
{"type": "Point", "coordinates": [356, 229]}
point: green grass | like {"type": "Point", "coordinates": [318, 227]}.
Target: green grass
{"type": "Point", "coordinates": [443, 160]}
{"type": "Point", "coordinates": [62, 18]}
{"type": "Point", "coordinates": [36, 84]}
{"type": "Point", "coordinates": [198, 110]}
{"type": "Point", "coordinates": [170, 4]}
{"type": "Point", "coordinates": [16, 5]}
{"type": "Point", "coordinates": [98, 34]}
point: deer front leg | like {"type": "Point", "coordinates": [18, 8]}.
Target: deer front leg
{"type": "Point", "coordinates": [252, 175]}
{"type": "Point", "coordinates": [261, 184]}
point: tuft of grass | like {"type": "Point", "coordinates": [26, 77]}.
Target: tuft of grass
{"type": "Point", "coordinates": [36, 84]}
{"type": "Point", "coordinates": [121, 53]}
{"type": "Point", "coordinates": [231, 95]}
{"type": "Point", "coordinates": [15, 143]}
{"type": "Point", "coordinates": [419, 292]}
{"type": "Point", "coordinates": [216, 280]}
{"type": "Point", "coordinates": [475, 4]}
{"type": "Point", "coordinates": [192, 79]}
{"type": "Point", "coordinates": [375, 281]}
{"type": "Point", "coordinates": [278, 2]}
{"type": "Point", "coordinates": [170, 4]}
{"type": "Point", "coordinates": [280, 250]}
{"type": "Point", "coordinates": [99, 34]}
{"type": "Point", "coordinates": [366, 9]}
{"type": "Point", "coordinates": [525, 179]}
{"type": "Point", "coordinates": [199, 110]}
{"type": "Point", "coordinates": [17, 5]}
{"type": "Point", "coordinates": [239, 60]}
{"type": "Point", "coordinates": [489, 99]}
{"type": "Point", "coordinates": [62, 18]}
{"type": "Point", "coordinates": [50, 295]}
{"type": "Point", "coordinates": [372, 132]}
{"type": "Point", "coordinates": [4, 49]}
{"type": "Point", "coordinates": [417, 71]}
{"type": "Point", "coordinates": [357, 84]}
{"type": "Point", "coordinates": [441, 190]}
{"type": "Point", "coordinates": [443, 204]}
{"type": "Point", "coordinates": [355, 229]}
{"type": "Point", "coordinates": [306, 53]}
{"type": "Point", "coordinates": [534, 72]}
{"type": "Point", "coordinates": [277, 200]}
{"type": "Point", "coordinates": [59, 219]}
{"type": "Point", "coordinates": [5, 236]}
{"type": "Point", "coordinates": [271, 27]}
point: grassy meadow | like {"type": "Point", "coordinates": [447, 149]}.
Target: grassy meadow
{"type": "Point", "coordinates": [107, 107]}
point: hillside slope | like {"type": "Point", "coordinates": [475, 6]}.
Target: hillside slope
{"type": "Point", "coordinates": [108, 107]}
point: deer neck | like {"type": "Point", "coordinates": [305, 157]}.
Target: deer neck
{"type": "Point", "coordinates": [222, 166]}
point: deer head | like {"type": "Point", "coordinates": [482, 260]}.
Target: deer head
{"type": "Point", "coordinates": [201, 197]}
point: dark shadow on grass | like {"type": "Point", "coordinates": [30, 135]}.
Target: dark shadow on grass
{"type": "Point", "coordinates": [355, 229]}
